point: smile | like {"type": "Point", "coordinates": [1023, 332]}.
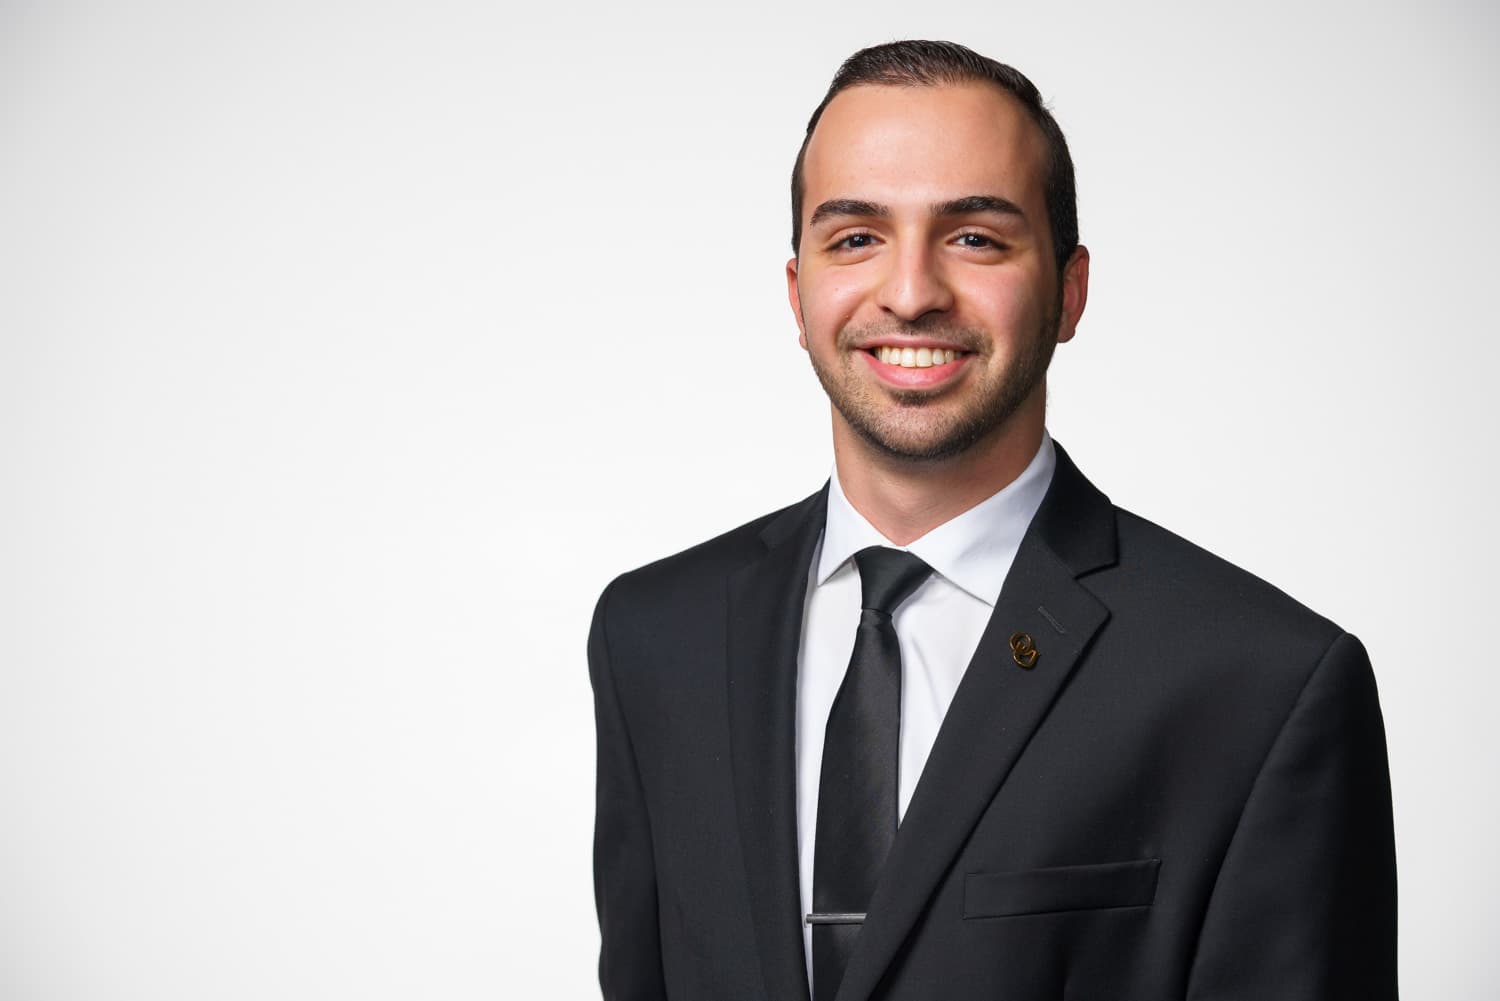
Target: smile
{"type": "Point", "coordinates": [915, 357]}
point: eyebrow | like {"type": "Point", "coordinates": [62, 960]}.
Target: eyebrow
{"type": "Point", "coordinates": [847, 207]}
{"type": "Point", "coordinates": [967, 205]}
{"type": "Point", "coordinates": [973, 204]}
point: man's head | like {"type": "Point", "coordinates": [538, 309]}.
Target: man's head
{"type": "Point", "coordinates": [928, 285]}
{"type": "Point", "coordinates": [917, 63]}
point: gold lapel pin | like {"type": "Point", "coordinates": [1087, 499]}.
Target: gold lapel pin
{"type": "Point", "coordinates": [1023, 651]}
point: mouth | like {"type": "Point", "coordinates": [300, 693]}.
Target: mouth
{"type": "Point", "coordinates": [911, 357]}
{"type": "Point", "coordinates": [911, 367]}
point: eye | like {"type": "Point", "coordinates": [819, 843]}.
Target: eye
{"type": "Point", "coordinates": [978, 241]}
{"type": "Point", "coordinates": [855, 241]}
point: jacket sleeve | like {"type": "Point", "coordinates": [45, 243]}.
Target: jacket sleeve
{"type": "Point", "coordinates": [1304, 908]}
{"type": "Point", "coordinates": [630, 967]}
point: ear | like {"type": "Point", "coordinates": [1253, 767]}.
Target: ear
{"type": "Point", "coordinates": [794, 299]}
{"type": "Point", "coordinates": [1075, 293]}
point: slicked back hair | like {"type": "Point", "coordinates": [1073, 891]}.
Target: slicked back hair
{"type": "Point", "coordinates": [916, 63]}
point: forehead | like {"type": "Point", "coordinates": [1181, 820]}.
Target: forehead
{"type": "Point", "coordinates": [921, 144]}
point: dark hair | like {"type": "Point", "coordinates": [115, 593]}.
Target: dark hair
{"type": "Point", "coordinates": [916, 63]}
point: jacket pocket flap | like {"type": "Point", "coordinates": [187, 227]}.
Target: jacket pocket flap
{"type": "Point", "coordinates": [1066, 888]}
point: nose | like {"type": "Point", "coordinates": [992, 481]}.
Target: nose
{"type": "Point", "coordinates": [914, 285]}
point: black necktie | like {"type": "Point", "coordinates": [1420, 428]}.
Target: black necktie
{"type": "Point", "coordinates": [861, 754]}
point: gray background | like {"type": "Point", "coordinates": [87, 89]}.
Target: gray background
{"type": "Point", "coordinates": [348, 349]}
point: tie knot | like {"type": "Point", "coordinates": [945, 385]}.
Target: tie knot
{"type": "Point", "coordinates": [887, 577]}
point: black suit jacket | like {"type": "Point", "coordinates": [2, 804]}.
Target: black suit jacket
{"type": "Point", "coordinates": [1185, 797]}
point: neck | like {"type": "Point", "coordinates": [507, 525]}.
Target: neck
{"type": "Point", "coordinates": [905, 498]}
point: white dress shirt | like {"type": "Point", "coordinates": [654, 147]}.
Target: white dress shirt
{"type": "Point", "coordinates": [938, 629]}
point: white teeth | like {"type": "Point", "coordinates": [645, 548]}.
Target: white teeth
{"type": "Point", "coordinates": [915, 357]}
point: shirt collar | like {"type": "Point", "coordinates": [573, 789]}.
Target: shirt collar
{"type": "Point", "coordinates": [973, 551]}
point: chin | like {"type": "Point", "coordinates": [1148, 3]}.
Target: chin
{"type": "Point", "coordinates": [912, 445]}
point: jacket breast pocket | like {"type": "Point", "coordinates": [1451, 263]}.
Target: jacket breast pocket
{"type": "Point", "coordinates": [1065, 888]}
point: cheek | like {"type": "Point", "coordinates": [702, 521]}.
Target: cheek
{"type": "Point", "coordinates": [1009, 308]}
{"type": "Point", "coordinates": [827, 306]}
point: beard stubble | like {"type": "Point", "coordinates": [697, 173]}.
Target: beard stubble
{"type": "Point", "coordinates": [917, 428]}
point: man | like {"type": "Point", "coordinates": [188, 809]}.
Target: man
{"type": "Point", "coordinates": [1121, 768]}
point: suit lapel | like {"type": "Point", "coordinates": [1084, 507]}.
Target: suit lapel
{"type": "Point", "coordinates": [766, 600]}
{"type": "Point", "coordinates": [997, 707]}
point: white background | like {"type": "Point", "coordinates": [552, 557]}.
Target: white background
{"type": "Point", "coordinates": [347, 350]}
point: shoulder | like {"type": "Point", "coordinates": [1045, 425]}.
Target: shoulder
{"type": "Point", "coordinates": [1152, 556]}
{"type": "Point", "coordinates": [1169, 593]}
{"type": "Point", "coordinates": [683, 580]}
{"type": "Point", "coordinates": [1166, 590]}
